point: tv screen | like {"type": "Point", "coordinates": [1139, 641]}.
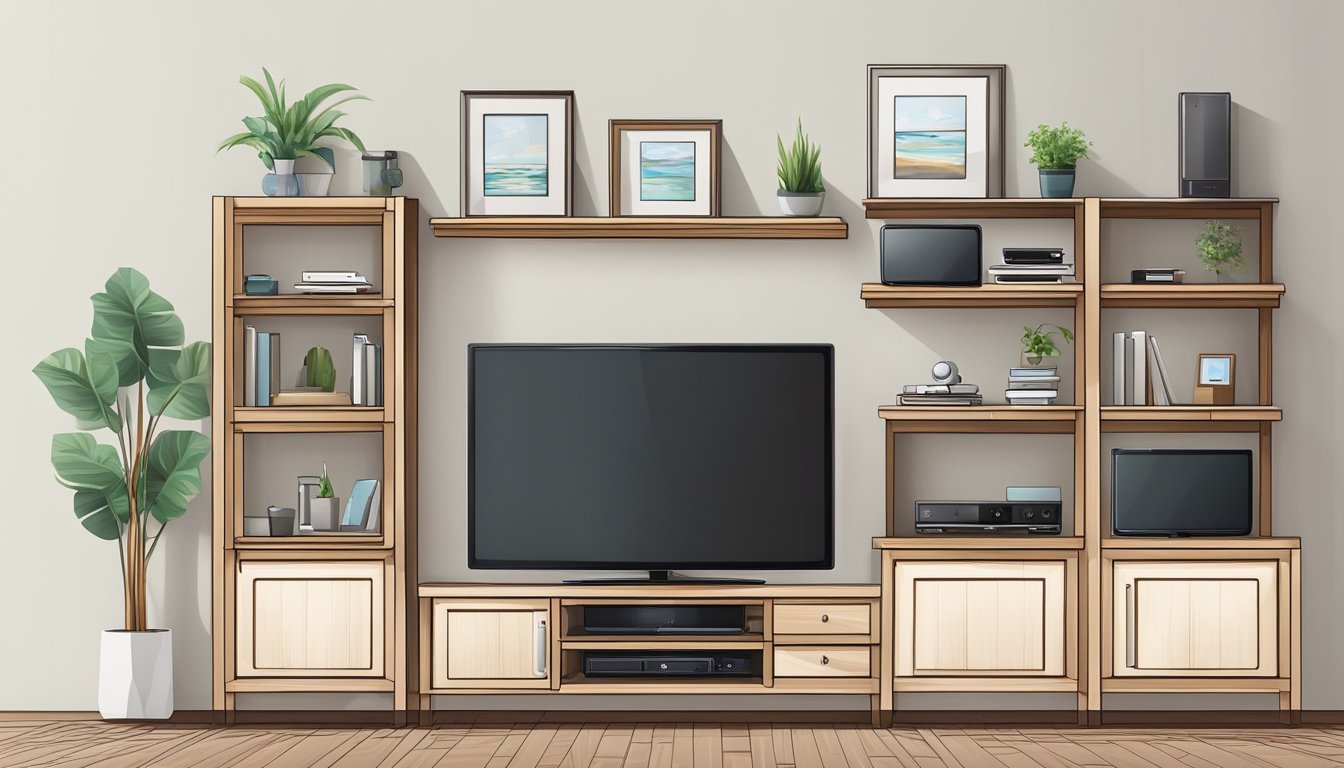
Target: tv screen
{"type": "Point", "coordinates": [650, 457]}
{"type": "Point", "coordinates": [1180, 492]}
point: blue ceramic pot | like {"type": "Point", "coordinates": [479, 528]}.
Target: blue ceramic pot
{"type": "Point", "coordinates": [282, 183]}
{"type": "Point", "coordinates": [1057, 182]}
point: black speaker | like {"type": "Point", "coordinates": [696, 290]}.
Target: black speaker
{"type": "Point", "coordinates": [930, 254]}
{"type": "Point", "coordinates": [1206, 144]}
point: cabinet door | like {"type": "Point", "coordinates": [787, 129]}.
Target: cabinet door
{"type": "Point", "coordinates": [310, 619]}
{"type": "Point", "coordinates": [491, 644]}
{"type": "Point", "coordinates": [979, 618]}
{"type": "Point", "coordinates": [1195, 619]}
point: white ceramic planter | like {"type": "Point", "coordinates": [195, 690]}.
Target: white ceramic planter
{"type": "Point", "coordinates": [314, 184]}
{"type": "Point", "coordinates": [325, 514]}
{"type": "Point", "coordinates": [283, 167]}
{"type": "Point", "coordinates": [801, 203]}
{"type": "Point", "coordinates": [135, 675]}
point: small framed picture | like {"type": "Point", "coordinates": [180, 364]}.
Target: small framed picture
{"type": "Point", "coordinates": [1215, 379]}
{"type": "Point", "coordinates": [517, 153]}
{"type": "Point", "coordinates": [935, 131]}
{"type": "Point", "coordinates": [664, 167]}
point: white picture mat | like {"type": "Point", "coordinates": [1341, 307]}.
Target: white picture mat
{"type": "Point", "coordinates": [976, 91]}
{"type": "Point", "coordinates": [557, 166]}
{"type": "Point", "coordinates": [630, 202]}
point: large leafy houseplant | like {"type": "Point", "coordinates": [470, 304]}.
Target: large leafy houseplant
{"type": "Point", "coordinates": [290, 131]}
{"type": "Point", "coordinates": [132, 372]}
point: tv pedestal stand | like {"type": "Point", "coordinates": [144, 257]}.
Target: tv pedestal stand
{"type": "Point", "coordinates": [800, 639]}
{"type": "Point", "coordinates": [664, 577]}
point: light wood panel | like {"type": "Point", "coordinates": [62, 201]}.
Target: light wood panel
{"type": "Point", "coordinates": [987, 296]}
{"type": "Point", "coordinates": [636, 593]}
{"type": "Point", "coordinates": [310, 619]}
{"type": "Point", "coordinates": [657, 227]}
{"type": "Point", "coordinates": [972, 208]}
{"type": "Point", "coordinates": [1193, 295]}
{"type": "Point", "coordinates": [1195, 619]}
{"type": "Point", "coordinates": [822, 661]}
{"type": "Point", "coordinates": [491, 643]}
{"type": "Point", "coordinates": [1186, 207]}
{"type": "Point", "coordinates": [982, 618]}
{"type": "Point", "coordinates": [821, 619]}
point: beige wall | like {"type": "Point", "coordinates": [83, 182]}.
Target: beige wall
{"type": "Point", "coordinates": [112, 112]}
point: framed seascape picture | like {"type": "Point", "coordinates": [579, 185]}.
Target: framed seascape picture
{"type": "Point", "coordinates": [664, 167]}
{"type": "Point", "coordinates": [517, 153]}
{"type": "Point", "coordinates": [935, 131]}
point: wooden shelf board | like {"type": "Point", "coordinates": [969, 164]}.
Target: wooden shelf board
{"type": "Point", "coordinates": [300, 427]}
{"type": "Point", "coordinates": [244, 304]}
{"type": "Point", "coordinates": [987, 296]}
{"type": "Point", "coordinates": [657, 227]}
{"type": "Point", "coordinates": [1230, 544]}
{"type": "Point", "coordinates": [1193, 295]}
{"type": "Point", "coordinates": [1185, 207]}
{"type": "Point", "coordinates": [305, 684]}
{"type": "Point", "coordinates": [1191, 413]}
{"type": "Point", "coordinates": [978, 542]}
{"type": "Point", "coordinates": [676, 591]}
{"type": "Point", "coordinates": [980, 412]}
{"type": "Point", "coordinates": [984, 684]}
{"type": "Point", "coordinates": [705, 644]}
{"type": "Point", "coordinates": [972, 208]}
{"type": "Point", "coordinates": [311, 211]}
{"type": "Point", "coordinates": [1193, 684]}
{"type": "Point", "coordinates": [333, 414]}
{"type": "Point", "coordinates": [604, 641]}
{"type": "Point", "coordinates": [839, 685]}
{"type": "Point", "coordinates": [316, 540]}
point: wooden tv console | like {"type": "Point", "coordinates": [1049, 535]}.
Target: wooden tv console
{"type": "Point", "coordinates": [489, 638]}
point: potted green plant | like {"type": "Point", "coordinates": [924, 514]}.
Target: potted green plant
{"type": "Point", "coordinates": [1038, 344]}
{"type": "Point", "coordinates": [801, 190]}
{"type": "Point", "coordinates": [1220, 248]}
{"type": "Point", "coordinates": [287, 132]}
{"type": "Point", "coordinates": [132, 373]}
{"type": "Point", "coordinates": [319, 370]}
{"type": "Point", "coordinates": [1056, 152]}
{"type": "Point", "coordinates": [324, 512]}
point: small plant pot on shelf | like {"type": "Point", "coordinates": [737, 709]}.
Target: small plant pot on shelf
{"type": "Point", "coordinates": [314, 184]}
{"type": "Point", "coordinates": [1057, 182]}
{"type": "Point", "coordinates": [135, 675]}
{"type": "Point", "coordinates": [801, 203]}
{"type": "Point", "coordinates": [325, 514]}
{"type": "Point", "coordinates": [1039, 361]}
{"type": "Point", "coordinates": [282, 183]}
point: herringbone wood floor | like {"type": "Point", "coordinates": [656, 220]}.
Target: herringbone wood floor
{"type": "Point", "coordinates": [654, 745]}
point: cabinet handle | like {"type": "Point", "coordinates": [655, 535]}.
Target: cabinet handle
{"type": "Point", "coordinates": [825, 618]}
{"type": "Point", "coordinates": [825, 660]}
{"type": "Point", "coordinates": [539, 649]}
{"type": "Point", "coordinates": [1129, 626]}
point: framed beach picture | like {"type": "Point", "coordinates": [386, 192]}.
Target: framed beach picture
{"type": "Point", "coordinates": [664, 167]}
{"type": "Point", "coordinates": [517, 153]}
{"type": "Point", "coordinates": [935, 131]}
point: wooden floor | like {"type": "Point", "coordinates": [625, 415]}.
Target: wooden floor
{"type": "Point", "coordinates": [533, 745]}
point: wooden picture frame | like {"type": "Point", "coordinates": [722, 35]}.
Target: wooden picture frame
{"type": "Point", "coordinates": [688, 151]}
{"type": "Point", "coordinates": [952, 152]}
{"type": "Point", "coordinates": [517, 153]}
{"type": "Point", "coordinates": [1216, 379]}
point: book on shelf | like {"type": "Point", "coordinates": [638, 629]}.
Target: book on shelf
{"type": "Point", "coordinates": [1033, 401]}
{"type": "Point", "coordinates": [941, 389]}
{"type": "Point", "coordinates": [1158, 374]}
{"type": "Point", "coordinates": [359, 506]}
{"type": "Point", "coordinates": [366, 380]}
{"type": "Point", "coordinates": [1129, 351]}
{"type": "Point", "coordinates": [1039, 382]}
{"type": "Point", "coordinates": [940, 400]}
{"type": "Point", "coordinates": [332, 276]}
{"type": "Point", "coordinates": [1026, 373]}
{"type": "Point", "coordinates": [249, 366]}
{"type": "Point", "coordinates": [267, 367]}
{"type": "Point", "coordinates": [337, 288]}
{"type": "Point", "coordinates": [1015, 395]}
{"type": "Point", "coordinates": [313, 396]}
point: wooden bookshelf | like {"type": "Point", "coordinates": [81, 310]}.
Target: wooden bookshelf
{"type": "Point", "coordinates": [349, 580]}
{"type": "Point", "coordinates": [645, 227]}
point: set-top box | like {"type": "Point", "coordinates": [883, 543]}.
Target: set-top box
{"type": "Point", "coordinates": [1038, 517]}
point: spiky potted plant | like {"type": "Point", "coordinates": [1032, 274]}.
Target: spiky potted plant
{"type": "Point", "coordinates": [801, 190]}
{"type": "Point", "coordinates": [324, 510]}
{"type": "Point", "coordinates": [287, 132]}
{"type": "Point", "coordinates": [1055, 151]}
{"type": "Point", "coordinates": [132, 373]}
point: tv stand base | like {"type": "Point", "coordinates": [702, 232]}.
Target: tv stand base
{"type": "Point", "coordinates": [665, 577]}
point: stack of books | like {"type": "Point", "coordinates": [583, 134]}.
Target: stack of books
{"type": "Point", "coordinates": [940, 394]}
{"type": "Point", "coordinates": [332, 282]}
{"type": "Point", "coordinates": [1032, 265]}
{"type": "Point", "coordinates": [366, 380]}
{"type": "Point", "coordinates": [1140, 376]}
{"type": "Point", "coordinates": [1032, 386]}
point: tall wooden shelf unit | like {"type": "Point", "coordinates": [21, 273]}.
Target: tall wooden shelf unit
{"type": "Point", "coordinates": [1107, 614]}
{"type": "Point", "coordinates": [315, 613]}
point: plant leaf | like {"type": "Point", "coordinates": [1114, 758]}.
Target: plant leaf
{"type": "Point", "coordinates": [82, 387]}
{"type": "Point", "coordinates": [128, 319]}
{"type": "Point", "coordinates": [173, 472]}
{"type": "Point", "coordinates": [179, 382]}
{"type": "Point", "coordinates": [321, 370]}
{"type": "Point", "coordinates": [104, 514]}
{"type": "Point", "coordinates": [82, 462]}
{"type": "Point", "coordinates": [327, 155]}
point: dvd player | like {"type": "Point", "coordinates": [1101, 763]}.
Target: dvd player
{"type": "Point", "coordinates": [1037, 517]}
{"type": "Point", "coordinates": [656, 664]}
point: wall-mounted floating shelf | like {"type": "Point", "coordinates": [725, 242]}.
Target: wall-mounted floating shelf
{"type": "Point", "coordinates": [973, 208]}
{"type": "Point", "coordinates": [650, 227]}
{"type": "Point", "coordinates": [1193, 295]}
{"type": "Point", "coordinates": [879, 296]}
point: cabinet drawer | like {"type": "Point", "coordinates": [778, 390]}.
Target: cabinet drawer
{"type": "Point", "coordinates": [821, 619]}
{"type": "Point", "coordinates": [819, 661]}
{"type": "Point", "coordinates": [491, 644]}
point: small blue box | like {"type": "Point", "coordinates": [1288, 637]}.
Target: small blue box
{"type": "Point", "coordinates": [260, 285]}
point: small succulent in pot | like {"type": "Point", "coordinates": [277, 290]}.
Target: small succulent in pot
{"type": "Point", "coordinates": [324, 509]}
{"type": "Point", "coordinates": [1220, 248]}
{"type": "Point", "coordinates": [801, 190]}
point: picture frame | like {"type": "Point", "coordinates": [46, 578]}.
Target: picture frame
{"type": "Point", "coordinates": [664, 167]}
{"type": "Point", "coordinates": [1215, 378]}
{"type": "Point", "coordinates": [517, 153]}
{"type": "Point", "coordinates": [936, 131]}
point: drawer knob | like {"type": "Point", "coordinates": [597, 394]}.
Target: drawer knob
{"type": "Point", "coordinates": [825, 618]}
{"type": "Point", "coordinates": [825, 660]}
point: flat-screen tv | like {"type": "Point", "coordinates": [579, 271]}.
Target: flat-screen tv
{"type": "Point", "coordinates": [1180, 492]}
{"type": "Point", "coordinates": [650, 457]}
